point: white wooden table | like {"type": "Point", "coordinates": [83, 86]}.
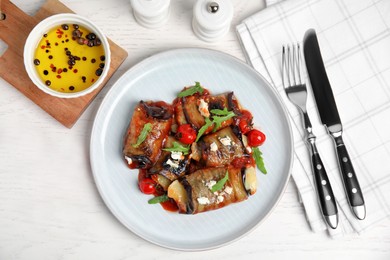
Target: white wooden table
{"type": "Point", "coordinates": [49, 205]}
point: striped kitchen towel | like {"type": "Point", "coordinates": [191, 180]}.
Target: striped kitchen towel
{"type": "Point", "coordinates": [354, 37]}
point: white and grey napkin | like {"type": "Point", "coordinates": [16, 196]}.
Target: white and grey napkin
{"type": "Point", "coordinates": [354, 38]}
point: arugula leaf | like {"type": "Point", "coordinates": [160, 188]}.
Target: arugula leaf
{"type": "Point", "coordinates": [259, 159]}
{"type": "Point", "coordinates": [219, 185]}
{"type": "Point", "coordinates": [177, 147]}
{"type": "Point", "coordinates": [204, 128]}
{"type": "Point", "coordinates": [192, 90]}
{"type": "Point", "coordinates": [142, 136]}
{"type": "Point", "coordinates": [218, 120]}
{"type": "Point", "coordinates": [159, 199]}
{"type": "Point", "coordinates": [220, 112]}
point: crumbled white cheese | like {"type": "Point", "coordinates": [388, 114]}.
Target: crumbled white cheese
{"type": "Point", "coordinates": [128, 159]}
{"type": "Point", "coordinates": [172, 163]}
{"type": "Point", "coordinates": [213, 147]}
{"type": "Point", "coordinates": [248, 149]}
{"type": "Point", "coordinates": [203, 108]}
{"type": "Point", "coordinates": [226, 141]}
{"type": "Point", "coordinates": [220, 198]}
{"type": "Point", "coordinates": [176, 155]}
{"type": "Point", "coordinates": [228, 190]}
{"type": "Point", "coordinates": [210, 184]}
{"type": "Point", "coordinates": [203, 200]}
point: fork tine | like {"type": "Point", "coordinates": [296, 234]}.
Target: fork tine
{"type": "Point", "coordinates": [284, 69]}
{"type": "Point", "coordinates": [291, 63]}
{"type": "Point", "coordinates": [299, 63]}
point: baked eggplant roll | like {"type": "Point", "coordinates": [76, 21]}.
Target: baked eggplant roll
{"type": "Point", "coordinates": [195, 108]}
{"type": "Point", "coordinates": [220, 148]}
{"type": "Point", "coordinates": [171, 164]}
{"type": "Point", "coordinates": [188, 110]}
{"type": "Point", "coordinates": [146, 134]}
{"type": "Point", "coordinates": [209, 189]}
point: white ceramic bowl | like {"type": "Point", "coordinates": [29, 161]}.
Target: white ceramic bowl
{"type": "Point", "coordinates": [35, 37]}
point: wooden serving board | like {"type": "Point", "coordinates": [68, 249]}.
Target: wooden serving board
{"type": "Point", "coordinates": [14, 31]}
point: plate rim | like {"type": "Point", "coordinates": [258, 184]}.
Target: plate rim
{"type": "Point", "coordinates": [149, 59]}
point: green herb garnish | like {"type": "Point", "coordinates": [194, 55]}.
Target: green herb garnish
{"type": "Point", "coordinates": [159, 199]}
{"type": "Point", "coordinates": [221, 112]}
{"type": "Point", "coordinates": [259, 159]}
{"type": "Point", "coordinates": [192, 90]}
{"type": "Point", "coordinates": [204, 128]}
{"type": "Point", "coordinates": [142, 136]}
{"type": "Point", "coordinates": [177, 147]}
{"type": "Point", "coordinates": [219, 185]}
{"type": "Point", "coordinates": [218, 118]}
{"type": "Point", "coordinates": [223, 115]}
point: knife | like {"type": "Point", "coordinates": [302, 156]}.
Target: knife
{"type": "Point", "coordinates": [330, 118]}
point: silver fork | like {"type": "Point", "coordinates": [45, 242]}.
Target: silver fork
{"type": "Point", "coordinates": [295, 88]}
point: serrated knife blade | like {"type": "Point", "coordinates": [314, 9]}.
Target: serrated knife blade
{"type": "Point", "coordinates": [329, 115]}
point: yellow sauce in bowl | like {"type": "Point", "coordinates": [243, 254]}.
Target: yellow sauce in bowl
{"type": "Point", "coordinates": [69, 58]}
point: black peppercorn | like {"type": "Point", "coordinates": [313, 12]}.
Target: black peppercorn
{"type": "Point", "coordinates": [80, 41]}
{"type": "Point", "coordinates": [76, 33]}
{"type": "Point", "coordinates": [91, 36]}
{"type": "Point", "coordinates": [96, 42]}
{"type": "Point", "coordinates": [98, 72]}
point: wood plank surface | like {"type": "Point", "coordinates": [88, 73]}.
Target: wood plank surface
{"type": "Point", "coordinates": [14, 31]}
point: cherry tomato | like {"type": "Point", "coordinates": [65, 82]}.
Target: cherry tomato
{"type": "Point", "coordinates": [186, 134]}
{"type": "Point", "coordinates": [255, 138]}
{"type": "Point", "coordinates": [246, 114]}
{"type": "Point", "coordinates": [147, 186]}
{"type": "Point", "coordinates": [244, 126]}
{"type": "Point", "coordinates": [245, 123]}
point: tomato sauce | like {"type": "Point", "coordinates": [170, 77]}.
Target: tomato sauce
{"type": "Point", "coordinates": [243, 162]}
{"type": "Point", "coordinates": [170, 205]}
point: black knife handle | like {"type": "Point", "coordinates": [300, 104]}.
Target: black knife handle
{"type": "Point", "coordinates": [351, 183]}
{"type": "Point", "coordinates": [324, 189]}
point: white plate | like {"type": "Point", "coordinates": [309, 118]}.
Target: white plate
{"type": "Point", "coordinates": [161, 77]}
